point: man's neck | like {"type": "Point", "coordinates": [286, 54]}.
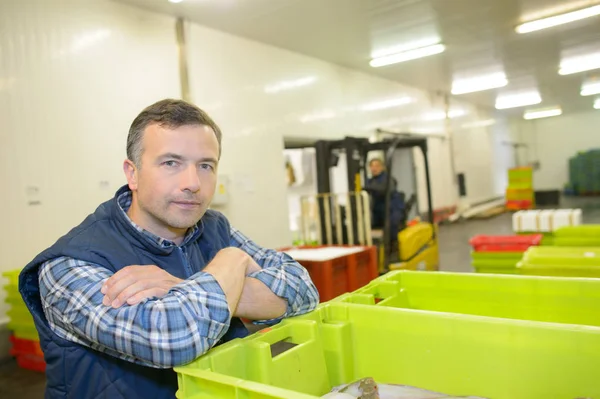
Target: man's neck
{"type": "Point", "coordinates": [136, 216]}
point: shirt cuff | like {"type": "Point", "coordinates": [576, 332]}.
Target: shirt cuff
{"type": "Point", "coordinates": [208, 283]}
{"type": "Point", "coordinates": [268, 280]}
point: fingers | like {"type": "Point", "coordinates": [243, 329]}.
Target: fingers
{"type": "Point", "coordinates": [127, 293]}
{"type": "Point", "coordinates": [127, 276]}
{"type": "Point", "coordinates": [145, 294]}
{"type": "Point", "coordinates": [132, 284]}
{"type": "Point", "coordinates": [113, 287]}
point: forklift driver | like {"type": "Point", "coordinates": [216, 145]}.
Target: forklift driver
{"type": "Point", "coordinates": [376, 187]}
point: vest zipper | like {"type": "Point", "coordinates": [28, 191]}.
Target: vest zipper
{"type": "Point", "coordinates": [185, 260]}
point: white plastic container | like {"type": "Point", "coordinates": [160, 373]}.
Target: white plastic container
{"type": "Point", "coordinates": [545, 221]}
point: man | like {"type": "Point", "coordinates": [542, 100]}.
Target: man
{"type": "Point", "coordinates": [376, 187]}
{"type": "Point", "coordinates": [152, 279]}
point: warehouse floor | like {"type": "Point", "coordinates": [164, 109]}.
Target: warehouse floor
{"type": "Point", "coordinates": [454, 256]}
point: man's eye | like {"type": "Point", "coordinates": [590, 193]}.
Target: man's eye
{"type": "Point", "coordinates": [207, 166]}
{"type": "Point", "coordinates": [170, 163]}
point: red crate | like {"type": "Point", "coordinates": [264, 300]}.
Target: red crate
{"type": "Point", "coordinates": [343, 274]}
{"type": "Point", "coordinates": [31, 362]}
{"type": "Point", "coordinates": [520, 243]}
{"type": "Point", "coordinates": [26, 347]}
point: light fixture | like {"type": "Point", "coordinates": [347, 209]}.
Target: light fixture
{"type": "Point", "coordinates": [517, 100]}
{"type": "Point", "coordinates": [560, 19]}
{"type": "Point", "coordinates": [175, 1]}
{"type": "Point", "coordinates": [589, 89]}
{"type": "Point", "coordinates": [542, 113]}
{"type": "Point", "coordinates": [597, 103]}
{"type": "Point", "coordinates": [391, 103]}
{"type": "Point", "coordinates": [480, 83]}
{"type": "Point", "coordinates": [580, 64]}
{"type": "Point", "coordinates": [407, 55]}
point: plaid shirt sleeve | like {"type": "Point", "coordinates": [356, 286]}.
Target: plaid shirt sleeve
{"type": "Point", "coordinates": [282, 274]}
{"type": "Point", "coordinates": [158, 332]}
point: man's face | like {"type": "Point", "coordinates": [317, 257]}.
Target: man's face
{"type": "Point", "coordinates": [176, 180]}
{"type": "Point", "coordinates": [376, 168]}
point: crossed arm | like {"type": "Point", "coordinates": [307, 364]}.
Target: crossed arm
{"type": "Point", "coordinates": [144, 315]}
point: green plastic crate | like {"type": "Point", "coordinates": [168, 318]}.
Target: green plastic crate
{"type": "Point", "coordinates": [23, 330]}
{"type": "Point", "coordinates": [496, 255]}
{"type": "Point", "coordinates": [12, 290]}
{"type": "Point", "coordinates": [581, 231]}
{"type": "Point", "coordinates": [561, 261]}
{"type": "Point", "coordinates": [496, 262]}
{"type": "Point", "coordinates": [12, 276]}
{"type": "Point", "coordinates": [557, 300]}
{"type": "Point", "coordinates": [577, 236]}
{"type": "Point", "coordinates": [20, 315]}
{"type": "Point", "coordinates": [455, 354]}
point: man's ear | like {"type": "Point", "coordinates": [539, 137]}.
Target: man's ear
{"type": "Point", "coordinates": [130, 174]}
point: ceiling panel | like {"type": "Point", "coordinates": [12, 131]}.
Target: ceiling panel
{"type": "Point", "coordinates": [479, 36]}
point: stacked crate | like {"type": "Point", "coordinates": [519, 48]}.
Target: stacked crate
{"type": "Point", "coordinates": [584, 173]}
{"type": "Point", "coordinates": [551, 223]}
{"type": "Point", "coordinates": [519, 193]}
{"type": "Point", "coordinates": [561, 262]}
{"type": "Point", "coordinates": [25, 340]}
{"type": "Point", "coordinates": [336, 270]}
{"type": "Point", "coordinates": [500, 254]}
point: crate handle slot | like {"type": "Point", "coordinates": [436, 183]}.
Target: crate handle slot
{"type": "Point", "coordinates": [280, 347]}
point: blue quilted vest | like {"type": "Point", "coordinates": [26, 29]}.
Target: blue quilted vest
{"type": "Point", "coordinates": [107, 238]}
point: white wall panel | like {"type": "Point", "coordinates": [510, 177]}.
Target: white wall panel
{"type": "Point", "coordinates": [552, 141]}
{"type": "Point", "coordinates": [73, 75]}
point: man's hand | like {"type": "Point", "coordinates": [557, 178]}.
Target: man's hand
{"type": "Point", "coordinates": [133, 284]}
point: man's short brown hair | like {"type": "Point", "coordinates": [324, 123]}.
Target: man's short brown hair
{"type": "Point", "coordinates": [168, 113]}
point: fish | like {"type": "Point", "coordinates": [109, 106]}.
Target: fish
{"type": "Point", "coordinates": [367, 388]}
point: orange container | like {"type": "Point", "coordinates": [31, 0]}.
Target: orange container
{"type": "Point", "coordinates": [519, 205]}
{"type": "Point", "coordinates": [517, 194]}
{"type": "Point", "coordinates": [338, 274]}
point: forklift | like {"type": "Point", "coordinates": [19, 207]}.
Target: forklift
{"type": "Point", "coordinates": [402, 244]}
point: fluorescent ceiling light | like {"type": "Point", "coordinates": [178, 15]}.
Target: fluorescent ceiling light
{"type": "Point", "coordinates": [289, 84]}
{"type": "Point", "coordinates": [482, 123]}
{"type": "Point", "coordinates": [175, 1]}
{"type": "Point", "coordinates": [517, 100]}
{"type": "Point", "coordinates": [556, 20]}
{"type": "Point", "coordinates": [542, 113]}
{"type": "Point", "coordinates": [589, 89]}
{"type": "Point", "coordinates": [407, 55]}
{"type": "Point", "coordinates": [597, 103]}
{"type": "Point", "coordinates": [580, 64]}
{"type": "Point", "coordinates": [479, 83]}
{"type": "Point", "coordinates": [394, 102]}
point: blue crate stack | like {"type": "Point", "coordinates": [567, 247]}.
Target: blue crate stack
{"type": "Point", "coordinates": [584, 173]}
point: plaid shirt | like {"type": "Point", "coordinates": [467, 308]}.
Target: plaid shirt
{"type": "Point", "coordinates": [161, 332]}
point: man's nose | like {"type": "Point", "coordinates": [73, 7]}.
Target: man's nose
{"type": "Point", "coordinates": [190, 179]}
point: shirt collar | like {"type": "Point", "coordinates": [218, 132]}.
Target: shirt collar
{"type": "Point", "coordinates": [124, 201]}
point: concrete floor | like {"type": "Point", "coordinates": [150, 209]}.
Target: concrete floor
{"type": "Point", "coordinates": [454, 256]}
